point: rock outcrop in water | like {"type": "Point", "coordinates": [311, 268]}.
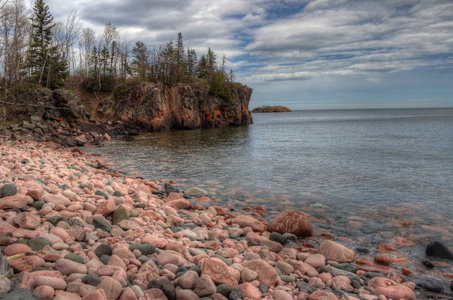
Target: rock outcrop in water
{"type": "Point", "coordinates": [269, 109]}
{"type": "Point", "coordinates": [159, 107]}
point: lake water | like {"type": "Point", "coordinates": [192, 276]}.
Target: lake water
{"type": "Point", "coordinates": [360, 173]}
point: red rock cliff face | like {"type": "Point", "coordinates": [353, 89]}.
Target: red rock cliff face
{"type": "Point", "coordinates": [158, 107]}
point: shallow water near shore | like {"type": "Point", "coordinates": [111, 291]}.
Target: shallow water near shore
{"type": "Point", "coordinates": [361, 173]}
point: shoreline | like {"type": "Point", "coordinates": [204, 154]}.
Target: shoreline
{"type": "Point", "coordinates": [70, 187]}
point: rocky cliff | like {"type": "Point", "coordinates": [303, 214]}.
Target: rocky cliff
{"type": "Point", "coordinates": [158, 107]}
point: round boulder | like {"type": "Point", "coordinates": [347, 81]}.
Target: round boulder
{"type": "Point", "coordinates": [292, 221]}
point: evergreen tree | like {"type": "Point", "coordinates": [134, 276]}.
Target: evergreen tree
{"type": "Point", "coordinates": [140, 58]}
{"type": "Point", "coordinates": [180, 59]}
{"type": "Point", "coordinates": [45, 65]}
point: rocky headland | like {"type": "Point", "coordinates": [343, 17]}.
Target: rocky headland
{"type": "Point", "coordinates": [72, 228]}
{"type": "Point", "coordinates": [80, 118]}
{"type": "Point", "coordinates": [270, 109]}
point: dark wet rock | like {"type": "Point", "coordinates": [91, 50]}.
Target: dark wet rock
{"type": "Point", "coordinates": [38, 204]}
{"type": "Point", "coordinates": [4, 240]}
{"type": "Point", "coordinates": [235, 294]}
{"type": "Point", "coordinates": [102, 224]}
{"type": "Point", "coordinates": [277, 237]}
{"type": "Point", "coordinates": [430, 284]}
{"type": "Point", "coordinates": [195, 268]}
{"type": "Point", "coordinates": [428, 264]}
{"type": "Point", "coordinates": [54, 220]}
{"type": "Point", "coordinates": [103, 250]}
{"type": "Point", "coordinates": [346, 266]}
{"type": "Point", "coordinates": [145, 249]}
{"type": "Point", "coordinates": [20, 294]}
{"type": "Point", "coordinates": [8, 189]}
{"type": "Point", "coordinates": [104, 259]}
{"type": "Point", "coordinates": [119, 215]}
{"type": "Point", "coordinates": [101, 193]}
{"type": "Point", "coordinates": [74, 257]}
{"type": "Point", "coordinates": [303, 286]}
{"type": "Point", "coordinates": [437, 249]}
{"type": "Point", "coordinates": [373, 274]}
{"type": "Point", "coordinates": [37, 244]}
{"type": "Point", "coordinates": [91, 279]}
{"type": "Point", "coordinates": [224, 289]}
{"type": "Point", "coordinates": [117, 194]}
{"type": "Point", "coordinates": [169, 188]}
{"type": "Point", "coordinates": [165, 286]}
{"type": "Point", "coordinates": [262, 288]}
{"type": "Point", "coordinates": [363, 250]}
{"type": "Point", "coordinates": [289, 238]}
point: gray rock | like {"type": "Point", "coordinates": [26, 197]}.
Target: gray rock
{"type": "Point", "coordinates": [165, 286]}
{"type": "Point", "coordinates": [430, 284]}
{"type": "Point", "coordinates": [224, 289]}
{"type": "Point", "coordinates": [103, 250]}
{"type": "Point", "coordinates": [169, 188]}
{"type": "Point", "coordinates": [37, 244]}
{"type": "Point", "coordinates": [235, 294]}
{"type": "Point", "coordinates": [119, 215]}
{"type": "Point", "coordinates": [145, 249]}
{"type": "Point", "coordinates": [102, 224]}
{"type": "Point", "coordinates": [303, 286]}
{"type": "Point", "coordinates": [20, 294]}
{"type": "Point", "coordinates": [8, 189]}
{"type": "Point", "coordinates": [195, 192]}
{"type": "Point", "coordinates": [5, 285]}
{"type": "Point", "coordinates": [101, 193]}
{"type": "Point", "coordinates": [74, 257]}
{"type": "Point", "coordinates": [91, 279]}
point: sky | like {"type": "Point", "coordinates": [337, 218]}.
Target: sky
{"type": "Point", "coordinates": [318, 54]}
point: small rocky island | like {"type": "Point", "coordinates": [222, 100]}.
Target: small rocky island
{"type": "Point", "coordinates": [270, 109]}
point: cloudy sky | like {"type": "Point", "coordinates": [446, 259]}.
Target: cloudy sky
{"type": "Point", "coordinates": [317, 54]}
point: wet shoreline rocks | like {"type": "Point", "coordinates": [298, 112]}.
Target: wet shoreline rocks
{"type": "Point", "coordinates": [71, 230]}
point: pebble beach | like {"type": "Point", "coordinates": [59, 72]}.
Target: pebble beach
{"type": "Point", "coordinates": [72, 228]}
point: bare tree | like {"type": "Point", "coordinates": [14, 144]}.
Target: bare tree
{"type": "Point", "coordinates": [13, 31]}
{"type": "Point", "coordinates": [87, 41]}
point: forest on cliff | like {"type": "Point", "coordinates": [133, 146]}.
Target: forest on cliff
{"type": "Point", "coordinates": [36, 51]}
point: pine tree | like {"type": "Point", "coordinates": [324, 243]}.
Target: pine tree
{"type": "Point", "coordinates": [46, 66]}
{"type": "Point", "coordinates": [140, 60]}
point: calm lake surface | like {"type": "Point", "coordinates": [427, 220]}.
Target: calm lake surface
{"type": "Point", "coordinates": [359, 172]}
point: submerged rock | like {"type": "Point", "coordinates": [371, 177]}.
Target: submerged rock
{"type": "Point", "coordinates": [437, 249]}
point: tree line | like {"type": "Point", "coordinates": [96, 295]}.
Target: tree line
{"type": "Point", "coordinates": [38, 50]}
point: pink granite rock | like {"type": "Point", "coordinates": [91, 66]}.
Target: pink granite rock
{"type": "Point", "coordinates": [336, 252]}
{"type": "Point", "coordinates": [250, 291]}
{"type": "Point", "coordinates": [390, 288]}
{"type": "Point", "coordinates": [247, 221]}
{"type": "Point", "coordinates": [55, 283]}
{"type": "Point", "coordinates": [292, 221]}
{"type": "Point", "coordinates": [267, 275]}
{"type": "Point", "coordinates": [16, 249]}
{"type": "Point", "coordinates": [96, 295]}
{"type": "Point", "coordinates": [27, 220]}
{"type": "Point", "coordinates": [16, 201]}
{"type": "Point", "coordinates": [44, 292]}
{"type": "Point", "coordinates": [111, 287]}
{"type": "Point", "coordinates": [205, 286]}
{"type": "Point", "coordinates": [67, 267]}
{"type": "Point", "coordinates": [218, 271]}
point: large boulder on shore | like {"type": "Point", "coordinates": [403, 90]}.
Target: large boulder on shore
{"type": "Point", "coordinates": [292, 221]}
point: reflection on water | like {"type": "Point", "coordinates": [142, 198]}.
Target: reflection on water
{"type": "Point", "coordinates": [360, 164]}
